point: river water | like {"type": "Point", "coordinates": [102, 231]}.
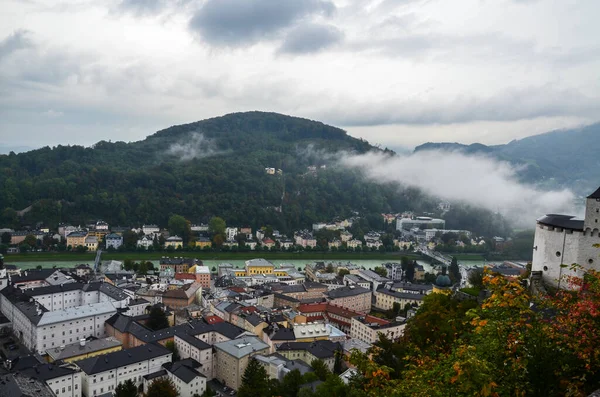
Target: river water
{"type": "Point", "coordinates": [368, 264]}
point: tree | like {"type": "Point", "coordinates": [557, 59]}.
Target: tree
{"type": "Point", "coordinates": [162, 388]}
{"type": "Point", "coordinates": [338, 362]}
{"type": "Point", "coordinates": [179, 226]}
{"type": "Point", "coordinates": [343, 272]}
{"type": "Point", "coordinates": [476, 278]}
{"type": "Point", "coordinates": [126, 389]}
{"type": "Point", "coordinates": [381, 271]}
{"type": "Point", "coordinates": [408, 267]}
{"type": "Point", "coordinates": [171, 346]}
{"type": "Point", "coordinates": [6, 237]}
{"type": "Point", "coordinates": [329, 268]}
{"type": "Point", "coordinates": [216, 226]}
{"type": "Point", "coordinates": [290, 384]}
{"type": "Point", "coordinates": [255, 381]}
{"type": "Point", "coordinates": [30, 240]}
{"type": "Point", "coordinates": [454, 270]}
{"type": "Point", "coordinates": [320, 369]}
{"type": "Point", "coordinates": [158, 319]}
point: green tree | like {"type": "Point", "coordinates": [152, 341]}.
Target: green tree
{"type": "Point", "coordinates": [171, 346]}
{"type": "Point", "coordinates": [454, 270]}
{"type": "Point", "coordinates": [30, 240]}
{"type": "Point", "coordinates": [338, 363]}
{"type": "Point", "coordinates": [476, 278]}
{"type": "Point", "coordinates": [290, 384]}
{"type": "Point", "coordinates": [126, 389]}
{"type": "Point", "coordinates": [216, 226]}
{"type": "Point", "coordinates": [6, 237]}
{"type": "Point", "coordinates": [381, 271]}
{"type": "Point", "coordinates": [255, 381]}
{"type": "Point", "coordinates": [329, 268]}
{"type": "Point", "coordinates": [162, 388]}
{"type": "Point", "coordinates": [179, 226]}
{"type": "Point", "coordinates": [320, 369]}
{"type": "Point", "coordinates": [343, 272]}
{"type": "Point", "coordinates": [158, 319]}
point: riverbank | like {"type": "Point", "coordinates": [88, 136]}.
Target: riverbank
{"type": "Point", "coordinates": [152, 256]}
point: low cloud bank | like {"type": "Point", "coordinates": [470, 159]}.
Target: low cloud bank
{"type": "Point", "coordinates": [473, 179]}
{"type": "Point", "coordinates": [195, 146]}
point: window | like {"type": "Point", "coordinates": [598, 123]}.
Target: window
{"type": "Point", "coordinates": [558, 253]}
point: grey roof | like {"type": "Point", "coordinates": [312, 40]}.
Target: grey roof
{"type": "Point", "coordinates": [283, 334]}
{"type": "Point", "coordinates": [322, 349]}
{"type": "Point", "coordinates": [46, 371]}
{"type": "Point", "coordinates": [54, 289]}
{"type": "Point", "coordinates": [177, 261]}
{"type": "Point", "coordinates": [17, 385]}
{"type": "Point", "coordinates": [562, 221]}
{"type": "Point", "coordinates": [138, 301]}
{"type": "Point", "coordinates": [184, 369]}
{"type": "Point", "coordinates": [93, 309]}
{"type": "Point", "coordinates": [75, 349]}
{"type": "Point", "coordinates": [401, 295]}
{"type": "Point", "coordinates": [258, 262]}
{"type": "Point", "coordinates": [254, 319]}
{"type": "Point", "coordinates": [94, 365]}
{"type": "Point", "coordinates": [114, 236]}
{"type": "Point", "coordinates": [155, 375]}
{"type": "Point", "coordinates": [32, 275]}
{"type": "Point", "coordinates": [413, 287]}
{"type": "Point", "coordinates": [192, 340]}
{"type": "Point", "coordinates": [346, 291]}
{"type": "Point", "coordinates": [242, 347]}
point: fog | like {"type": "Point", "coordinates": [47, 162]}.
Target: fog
{"type": "Point", "coordinates": [194, 146]}
{"type": "Point", "coordinates": [473, 179]}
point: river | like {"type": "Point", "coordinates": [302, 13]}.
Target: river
{"type": "Point", "coordinates": [367, 263]}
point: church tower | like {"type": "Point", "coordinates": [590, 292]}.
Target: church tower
{"type": "Point", "coordinates": [592, 212]}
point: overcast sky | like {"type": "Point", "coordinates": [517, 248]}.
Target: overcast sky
{"type": "Point", "coordinates": [396, 72]}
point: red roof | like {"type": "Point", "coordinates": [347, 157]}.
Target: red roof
{"type": "Point", "coordinates": [249, 309]}
{"type": "Point", "coordinates": [214, 319]}
{"type": "Point", "coordinates": [372, 319]}
{"type": "Point", "coordinates": [268, 241]}
{"type": "Point", "coordinates": [239, 290]}
{"type": "Point", "coordinates": [342, 311]}
{"type": "Point", "coordinates": [312, 307]}
{"type": "Point", "coordinates": [185, 276]}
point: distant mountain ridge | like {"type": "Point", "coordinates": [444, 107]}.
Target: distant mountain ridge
{"type": "Point", "coordinates": [568, 158]}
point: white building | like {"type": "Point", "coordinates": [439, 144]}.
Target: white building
{"type": "Point", "coordinates": [184, 375]}
{"type": "Point", "coordinates": [367, 328]}
{"type": "Point", "coordinates": [190, 346]}
{"type": "Point", "coordinates": [561, 240]}
{"type": "Point", "coordinates": [63, 380]}
{"type": "Point", "coordinates": [145, 242]}
{"type": "Point", "coordinates": [421, 222]}
{"type": "Point", "coordinates": [102, 374]}
{"type": "Point", "coordinates": [231, 232]}
{"type": "Point", "coordinates": [113, 240]}
{"type": "Point", "coordinates": [150, 229]}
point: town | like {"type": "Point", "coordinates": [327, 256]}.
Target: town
{"type": "Point", "coordinates": [94, 330]}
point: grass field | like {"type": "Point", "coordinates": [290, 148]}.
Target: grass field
{"type": "Point", "coordinates": [148, 256]}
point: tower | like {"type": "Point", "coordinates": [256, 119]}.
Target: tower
{"type": "Point", "coordinates": [592, 212]}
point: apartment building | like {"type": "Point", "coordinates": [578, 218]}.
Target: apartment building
{"type": "Point", "coordinates": [233, 356]}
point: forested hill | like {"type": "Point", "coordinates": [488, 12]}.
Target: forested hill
{"type": "Point", "coordinates": [556, 159]}
{"type": "Point", "coordinates": [211, 167]}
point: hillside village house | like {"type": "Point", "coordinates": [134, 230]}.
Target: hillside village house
{"type": "Point", "coordinates": [91, 243]}
{"type": "Point", "coordinates": [203, 242]}
{"type": "Point", "coordinates": [174, 241]}
{"type": "Point", "coordinates": [113, 240]}
{"type": "Point", "coordinates": [367, 328]}
{"type": "Point", "coordinates": [150, 229]}
{"type": "Point", "coordinates": [76, 239]}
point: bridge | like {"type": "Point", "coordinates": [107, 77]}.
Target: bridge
{"type": "Point", "coordinates": [446, 260]}
{"type": "Point", "coordinates": [97, 260]}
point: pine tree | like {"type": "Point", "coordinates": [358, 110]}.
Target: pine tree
{"type": "Point", "coordinates": [255, 381]}
{"type": "Point", "coordinates": [126, 389]}
{"type": "Point", "coordinates": [162, 388]}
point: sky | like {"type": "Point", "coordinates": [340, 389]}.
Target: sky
{"type": "Point", "coordinates": [395, 72]}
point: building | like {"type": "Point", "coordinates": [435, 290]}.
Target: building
{"type": "Point", "coordinates": [203, 276]}
{"type": "Point", "coordinates": [82, 270]}
{"type": "Point", "coordinates": [367, 328]}
{"type": "Point", "coordinates": [386, 297]}
{"type": "Point", "coordinates": [145, 242]}
{"type": "Point", "coordinates": [76, 239]}
{"type": "Point", "coordinates": [113, 240]}
{"type": "Point", "coordinates": [177, 265]}
{"type": "Point", "coordinates": [184, 296]}
{"type": "Point", "coordinates": [420, 222]}
{"type": "Point", "coordinates": [233, 356]}
{"type": "Point", "coordinates": [190, 346]}
{"type": "Point", "coordinates": [278, 367]}
{"type": "Point", "coordinates": [19, 385]}
{"type": "Point", "coordinates": [203, 242]}
{"type": "Point", "coordinates": [350, 297]}
{"type": "Point", "coordinates": [375, 279]}
{"type": "Point", "coordinates": [174, 241]}
{"type": "Point", "coordinates": [259, 266]}
{"type": "Point", "coordinates": [91, 243]}
{"type": "Point", "coordinates": [84, 349]}
{"type": "Point", "coordinates": [231, 232]}
{"type": "Point", "coordinates": [308, 351]}
{"type": "Point", "coordinates": [561, 240]}
{"type": "Point", "coordinates": [185, 376]}
{"type": "Point", "coordinates": [354, 244]}
{"type": "Point", "coordinates": [102, 374]}
{"type": "Point", "coordinates": [150, 229]}
{"type": "Point", "coordinates": [63, 380]}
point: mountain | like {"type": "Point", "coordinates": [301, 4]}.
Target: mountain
{"type": "Point", "coordinates": [198, 170]}
{"type": "Point", "coordinates": [557, 159]}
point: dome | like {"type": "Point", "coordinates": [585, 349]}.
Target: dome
{"type": "Point", "coordinates": [443, 281]}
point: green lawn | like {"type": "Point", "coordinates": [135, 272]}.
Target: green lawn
{"type": "Point", "coordinates": [138, 256]}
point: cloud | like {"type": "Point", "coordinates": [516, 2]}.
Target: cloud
{"type": "Point", "coordinates": [16, 41]}
{"type": "Point", "coordinates": [50, 113]}
{"type": "Point", "coordinates": [510, 105]}
{"type": "Point", "coordinates": [473, 179]}
{"type": "Point", "coordinates": [237, 23]}
{"type": "Point", "coordinates": [309, 38]}
{"type": "Point", "coordinates": [195, 146]}
{"type": "Point", "coordinates": [149, 7]}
